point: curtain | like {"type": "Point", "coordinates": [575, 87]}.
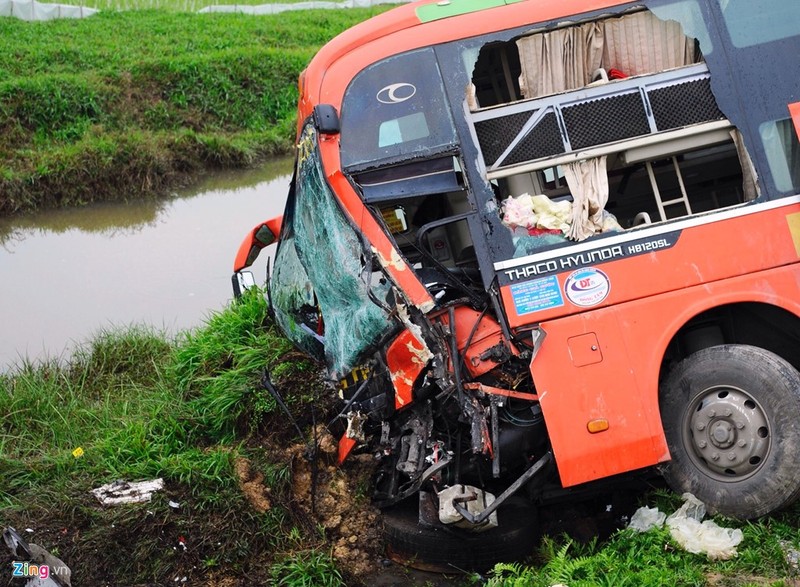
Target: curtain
{"type": "Point", "coordinates": [589, 178]}
{"type": "Point", "coordinates": [560, 60]}
{"type": "Point", "coordinates": [750, 189]}
{"type": "Point", "coordinates": [567, 58]}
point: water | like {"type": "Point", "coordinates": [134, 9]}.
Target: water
{"type": "Point", "coordinates": [69, 274]}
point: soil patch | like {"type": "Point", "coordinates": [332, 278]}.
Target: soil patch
{"type": "Point", "coordinates": [337, 499]}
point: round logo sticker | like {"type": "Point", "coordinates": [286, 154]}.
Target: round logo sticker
{"type": "Point", "coordinates": [587, 287]}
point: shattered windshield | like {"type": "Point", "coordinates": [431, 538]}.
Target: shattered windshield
{"type": "Point", "coordinates": [325, 295]}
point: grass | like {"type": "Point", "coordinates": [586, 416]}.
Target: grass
{"type": "Point", "coordinates": [173, 5]}
{"type": "Point", "coordinates": [653, 559]}
{"type": "Point", "coordinates": [126, 104]}
{"type": "Point", "coordinates": [141, 406]}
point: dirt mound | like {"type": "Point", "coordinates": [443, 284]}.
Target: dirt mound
{"type": "Point", "coordinates": [252, 485]}
{"type": "Point", "coordinates": [337, 498]}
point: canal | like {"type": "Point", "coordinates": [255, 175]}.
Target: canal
{"type": "Point", "coordinates": [69, 274]}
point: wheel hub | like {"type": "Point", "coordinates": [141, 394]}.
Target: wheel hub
{"type": "Point", "coordinates": [728, 432]}
{"type": "Point", "coordinates": [722, 434]}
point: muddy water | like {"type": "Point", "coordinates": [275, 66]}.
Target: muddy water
{"type": "Point", "coordinates": [66, 275]}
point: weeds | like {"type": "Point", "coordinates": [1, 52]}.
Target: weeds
{"type": "Point", "coordinates": [126, 104]}
{"type": "Point", "coordinates": [306, 569]}
{"type": "Point", "coordinates": [140, 406]}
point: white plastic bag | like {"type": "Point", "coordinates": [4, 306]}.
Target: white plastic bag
{"type": "Point", "coordinates": [646, 518]}
{"type": "Point", "coordinates": [698, 537]}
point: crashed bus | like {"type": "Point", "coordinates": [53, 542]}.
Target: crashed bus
{"type": "Point", "coordinates": [539, 245]}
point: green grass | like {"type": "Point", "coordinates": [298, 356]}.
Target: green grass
{"type": "Point", "coordinates": [140, 405]}
{"type": "Point", "coordinates": [653, 559]}
{"type": "Point", "coordinates": [125, 104]}
{"type": "Point", "coordinates": [172, 5]}
{"type": "Point", "coordinates": [311, 568]}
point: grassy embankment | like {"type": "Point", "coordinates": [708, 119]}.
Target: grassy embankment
{"type": "Point", "coordinates": [133, 102]}
{"type": "Point", "coordinates": [140, 406]}
{"type": "Point", "coordinates": [126, 104]}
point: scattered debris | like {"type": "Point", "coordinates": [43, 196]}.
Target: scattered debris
{"type": "Point", "coordinates": [792, 556]}
{"type": "Point", "coordinates": [646, 518]}
{"type": "Point", "coordinates": [687, 529]}
{"type": "Point", "coordinates": [121, 491]}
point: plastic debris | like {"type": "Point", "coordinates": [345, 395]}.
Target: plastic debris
{"type": "Point", "coordinates": [120, 491]}
{"type": "Point", "coordinates": [708, 538]}
{"type": "Point", "coordinates": [689, 531]}
{"type": "Point", "coordinates": [792, 556]}
{"type": "Point", "coordinates": [474, 499]}
{"type": "Point", "coordinates": [646, 518]}
{"type": "Point", "coordinates": [78, 452]}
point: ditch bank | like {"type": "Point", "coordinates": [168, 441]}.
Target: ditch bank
{"type": "Point", "coordinates": [88, 113]}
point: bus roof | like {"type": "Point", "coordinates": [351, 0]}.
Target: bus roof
{"type": "Point", "coordinates": [424, 23]}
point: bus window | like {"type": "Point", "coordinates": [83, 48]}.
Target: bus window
{"type": "Point", "coordinates": [495, 78]}
{"type": "Point", "coordinates": [608, 133]}
{"type": "Point", "coordinates": [396, 110]}
{"type": "Point", "coordinates": [783, 153]}
{"type": "Point", "coordinates": [760, 21]}
{"type": "Point", "coordinates": [411, 127]}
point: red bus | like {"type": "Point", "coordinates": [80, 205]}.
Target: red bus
{"type": "Point", "coordinates": [541, 244]}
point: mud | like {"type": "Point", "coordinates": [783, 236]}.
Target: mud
{"type": "Point", "coordinates": [337, 498]}
{"type": "Point", "coordinates": [252, 485]}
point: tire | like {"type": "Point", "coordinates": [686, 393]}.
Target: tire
{"type": "Point", "coordinates": [730, 416]}
{"type": "Point", "coordinates": [446, 550]}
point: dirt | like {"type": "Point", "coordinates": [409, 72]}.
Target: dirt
{"type": "Point", "coordinates": [252, 485]}
{"type": "Point", "coordinates": [352, 525]}
{"type": "Point", "coordinates": [335, 498]}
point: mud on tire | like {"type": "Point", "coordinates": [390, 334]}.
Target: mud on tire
{"type": "Point", "coordinates": [730, 415]}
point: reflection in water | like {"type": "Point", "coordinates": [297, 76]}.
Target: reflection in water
{"type": "Point", "coordinates": [68, 273]}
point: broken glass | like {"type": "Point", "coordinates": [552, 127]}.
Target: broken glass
{"type": "Point", "coordinates": [326, 297]}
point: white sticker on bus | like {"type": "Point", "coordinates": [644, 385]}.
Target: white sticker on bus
{"type": "Point", "coordinates": [587, 287]}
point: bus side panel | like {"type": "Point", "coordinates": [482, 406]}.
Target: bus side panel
{"type": "Point", "coordinates": [618, 382]}
{"type": "Point", "coordinates": [583, 375]}
{"type": "Point", "coordinates": [706, 249]}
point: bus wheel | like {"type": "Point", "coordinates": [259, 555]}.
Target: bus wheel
{"type": "Point", "coordinates": [445, 550]}
{"type": "Point", "coordinates": [730, 417]}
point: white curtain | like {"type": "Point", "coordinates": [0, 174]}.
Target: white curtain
{"type": "Point", "coordinates": [567, 58]}
{"type": "Point", "coordinates": [750, 188]}
{"type": "Point", "coordinates": [640, 43]}
{"type": "Point", "coordinates": [589, 178]}
{"type": "Point", "coordinates": [560, 60]}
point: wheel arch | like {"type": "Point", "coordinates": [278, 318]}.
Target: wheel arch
{"type": "Point", "coordinates": [757, 322]}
